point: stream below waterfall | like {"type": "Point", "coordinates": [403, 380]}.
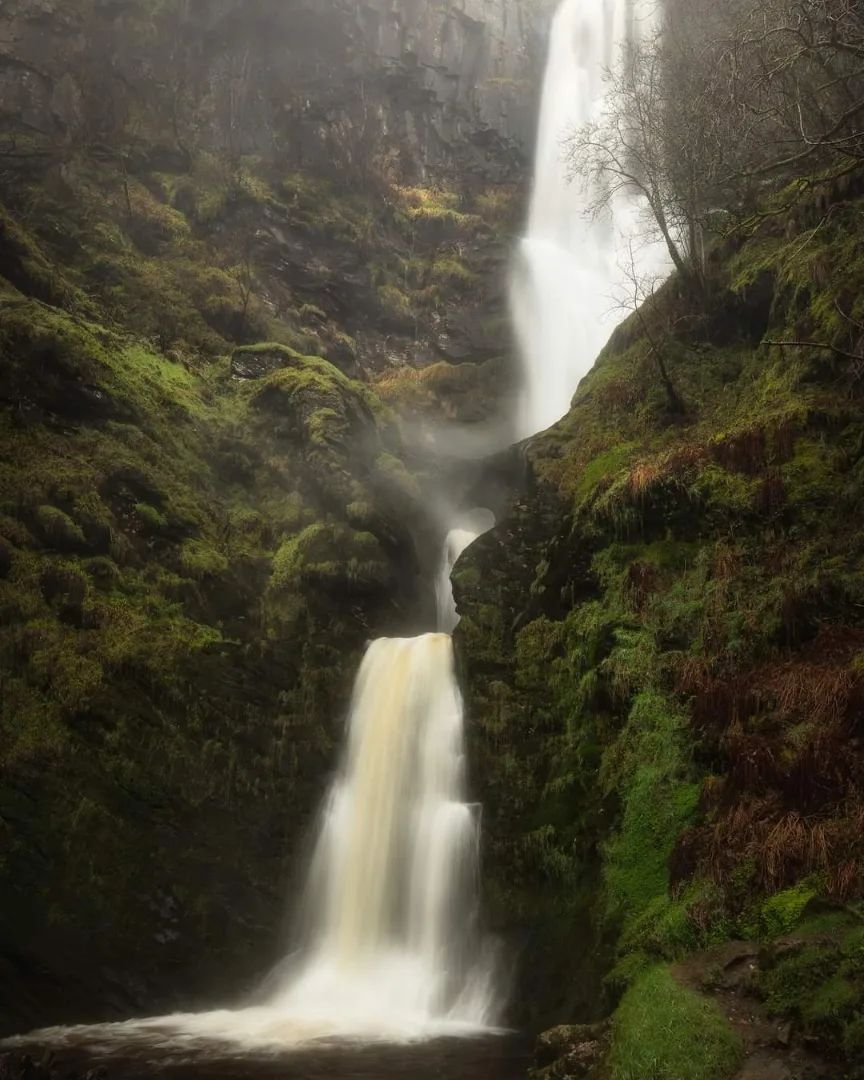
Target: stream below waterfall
{"type": "Point", "coordinates": [480, 1058]}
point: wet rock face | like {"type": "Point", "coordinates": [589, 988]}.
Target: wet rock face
{"type": "Point", "coordinates": [570, 1051]}
{"type": "Point", "coordinates": [429, 88]}
{"type": "Point", "coordinates": [476, 59]}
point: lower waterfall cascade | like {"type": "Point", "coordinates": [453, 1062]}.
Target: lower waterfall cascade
{"type": "Point", "coordinates": [390, 947]}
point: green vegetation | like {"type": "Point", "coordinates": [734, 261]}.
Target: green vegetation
{"type": "Point", "coordinates": [663, 1031]}
{"type": "Point", "coordinates": [168, 670]}
{"type": "Point", "coordinates": [820, 985]}
{"type": "Point", "coordinates": [663, 642]}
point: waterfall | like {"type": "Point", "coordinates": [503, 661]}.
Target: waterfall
{"type": "Point", "coordinates": [392, 889]}
{"type": "Point", "coordinates": [390, 947]}
{"type": "Point", "coordinates": [570, 266]}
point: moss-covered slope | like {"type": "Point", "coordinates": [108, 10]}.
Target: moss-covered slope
{"type": "Point", "coordinates": [220, 315]}
{"type": "Point", "coordinates": [663, 642]}
{"type": "Point", "coordinates": [174, 663]}
{"type": "Point", "coordinates": [196, 539]}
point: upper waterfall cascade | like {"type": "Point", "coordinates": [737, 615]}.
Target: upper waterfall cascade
{"type": "Point", "coordinates": [571, 267]}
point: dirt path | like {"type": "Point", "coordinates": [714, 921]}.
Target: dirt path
{"type": "Point", "coordinates": [772, 1050]}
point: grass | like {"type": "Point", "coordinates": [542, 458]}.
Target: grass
{"type": "Point", "coordinates": [663, 1031]}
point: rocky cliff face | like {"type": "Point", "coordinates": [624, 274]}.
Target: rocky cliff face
{"type": "Point", "coordinates": [424, 110]}
{"type": "Point", "coordinates": [431, 90]}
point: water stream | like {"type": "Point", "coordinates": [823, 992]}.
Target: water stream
{"type": "Point", "coordinates": [464, 531]}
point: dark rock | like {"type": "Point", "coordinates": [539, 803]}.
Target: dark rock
{"type": "Point", "coordinates": [246, 364]}
{"type": "Point", "coordinates": [571, 1050]}
{"type": "Point", "coordinates": [23, 1067]}
{"type": "Point", "coordinates": [784, 1034]}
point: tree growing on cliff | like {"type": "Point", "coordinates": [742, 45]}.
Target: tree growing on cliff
{"type": "Point", "coordinates": [731, 101]}
{"type": "Point", "coordinates": [658, 137]}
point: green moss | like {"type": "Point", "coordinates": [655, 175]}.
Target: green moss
{"type": "Point", "coordinates": [152, 520]}
{"type": "Point", "coordinates": [648, 766]}
{"type": "Point", "coordinates": [59, 529]}
{"type": "Point", "coordinates": [395, 476]}
{"type": "Point", "coordinates": [821, 984]}
{"type": "Point", "coordinates": [202, 559]}
{"type": "Point", "coordinates": [663, 1031]}
{"type": "Point", "coordinates": [725, 493]}
{"type": "Point", "coordinates": [835, 999]}
{"type": "Point", "coordinates": [449, 270]}
{"type": "Point", "coordinates": [288, 560]}
{"type": "Point", "coordinates": [436, 207]}
{"type": "Point", "coordinates": [394, 302]}
{"type": "Point", "coordinates": [601, 469]}
{"type": "Point", "coordinates": [810, 478]}
{"type": "Point", "coordinates": [780, 913]}
{"type": "Point", "coordinates": [324, 553]}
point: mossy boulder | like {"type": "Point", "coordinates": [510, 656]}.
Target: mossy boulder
{"type": "Point", "coordinates": [570, 1050]}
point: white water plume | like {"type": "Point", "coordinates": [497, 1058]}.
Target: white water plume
{"type": "Point", "coordinates": [571, 266]}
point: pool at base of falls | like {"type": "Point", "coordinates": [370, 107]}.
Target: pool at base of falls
{"type": "Point", "coordinates": [161, 1055]}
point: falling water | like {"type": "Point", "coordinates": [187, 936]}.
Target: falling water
{"type": "Point", "coordinates": [390, 948]}
{"type": "Point", "coordinates": [460, 537]}
{"type": "Point", "coordinates": [571, 265]}
{"type": "Point", "coordinates": [393, 883]}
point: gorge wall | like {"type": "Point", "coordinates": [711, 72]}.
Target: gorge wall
{"type": "Point", "coordinates": [662, 648]}
{"type": "Point", "coordinates": [236, 246]}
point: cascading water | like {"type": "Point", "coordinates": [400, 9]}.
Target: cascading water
{"type": "Point", "coordinates": [571, 266]}
{"type": "Point", "coordinates": [393, 883]}
{"type": "Point", "coordinates": [460, 537]}
{"type": "Point", "coordinates": [390, 948]}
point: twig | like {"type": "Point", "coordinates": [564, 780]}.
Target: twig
{"type": "Point", "coordinates": [816, 345]}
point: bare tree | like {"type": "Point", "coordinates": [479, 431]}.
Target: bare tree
{"type": "Point", "coordinates": [731, 101]}
{"type": "Point", "coordinates": [661, 135]}
{"type": "Point", "coordinates": [798, 78]}
{"type": "Point", "coordinates": [657, 322]}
